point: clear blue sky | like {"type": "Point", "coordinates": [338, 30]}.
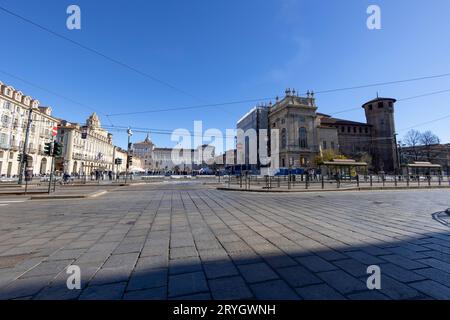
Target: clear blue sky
{"type": "Point", "coordinates": [225, 50]}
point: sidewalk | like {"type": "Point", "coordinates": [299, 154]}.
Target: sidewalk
{"type": "Point", "coordinates": [62, 192]}
{"type": "Point", "coordinates": [327, 187]}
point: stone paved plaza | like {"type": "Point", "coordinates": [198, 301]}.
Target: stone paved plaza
{"type": "Point", "coordinates": [189, 241]}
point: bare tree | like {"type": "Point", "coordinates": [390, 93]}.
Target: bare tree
{"type": "Point", "coordinates": [429, 139]}
{"type": "Point", "coordinates": [413, 139]}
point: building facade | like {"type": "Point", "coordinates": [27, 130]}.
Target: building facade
{"type": "Point", "coordinates": [304, 133]}
{"type": "Point", "coordinates": [86, 155]}
{"type": "Point", "coordinates": [15, 108]}
{"type": "Point", "coordinates": [166, 159]}
{"type": "Point", "coordinates": [144, 150]}
{"type": "Point", "coordinates": [251, 124]}
{"type": "Point", "coordinates": [436, 154]}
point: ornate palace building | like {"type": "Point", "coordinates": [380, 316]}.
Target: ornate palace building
{"type": "Point", "coordinates": [305, 133]}
{"type": "Point", "coordinates": [84, 156]}
{"type": "Point", "coordinates": [15, 108]}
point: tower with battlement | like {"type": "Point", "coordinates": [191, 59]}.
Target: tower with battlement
{"type": "Point", "coordinates": [380, 116]}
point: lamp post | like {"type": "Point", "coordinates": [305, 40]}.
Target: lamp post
{"type": "Point", "coordinates": [130, 134]}
{"type": "Point", "coordinates": [397, 152]}
{"type": "Point", "coordinates": [23, 162]}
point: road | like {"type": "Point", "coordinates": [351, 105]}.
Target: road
{"type": "Point", "coordinates": [188, 241]}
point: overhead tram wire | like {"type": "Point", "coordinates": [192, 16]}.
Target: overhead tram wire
{"type": "Point", "coordinates": [56, 94]}
{"type": "Point", "coordinates": [235, 102]}
{"type": "Point", "coordinates": [180, 108]}
{"type": "Point", "coordinates": [168, 109]}
{"type": "Point", "coordinates": [399, 100]}
{"type": "Point", "coordinates": [98, 53]}
{"type": "Point", "coordinates": [162, 82]}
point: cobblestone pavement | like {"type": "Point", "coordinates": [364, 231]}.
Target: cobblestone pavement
{"type": "Point", "coordinates": [194, 242]}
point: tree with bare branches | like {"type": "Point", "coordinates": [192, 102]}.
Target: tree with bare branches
{"type": "Point", "coordinates": [428, 139]}
{"type": "Point", "coordinates": [413, 139]}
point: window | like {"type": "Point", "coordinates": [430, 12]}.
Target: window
{"type": "Point", "coordinates": [3, 139]}
{"type": "Point", "coordinates": [370, 107]}
{"type": "Point", "coordinates": [343, 129]}
{"type": "Point", "coordinates": [380, 105]}
{"type": "Point", "coordinates": [5, 120]}
{"type": "Point", "coordinates": [332, 145]}
{"type": "Point", "coordinates": [283, 138]}
{"type": "Point", "coordinates": [354, 129]}
{"type": "Point", "coordinates": [349, 129]}
{"type": "Point", "coordinates": [303, 135]}
{"type": "Point", "coordinates": [283, 121]}
{"type": "Point", "coordinates": [324, 145]}
{"type": "Point", "coordinates": [7, 105]}
{"type": "Point", "coordinates": [360, 129]}
{"type": "Point", "coordinates": [367, 130]}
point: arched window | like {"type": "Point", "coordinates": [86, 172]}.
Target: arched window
{"type": "Point", "coordinates": [303, 137]}
{"type": "Point", "coordinates": [283, 138]}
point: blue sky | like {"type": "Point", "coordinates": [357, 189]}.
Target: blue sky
{"type": "Point", "coordinates": [227, 50]}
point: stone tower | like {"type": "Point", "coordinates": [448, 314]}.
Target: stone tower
{"type": "Point", "coordinates": [380, 115]}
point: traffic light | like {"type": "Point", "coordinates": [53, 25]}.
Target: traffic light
{"type": "Point", "coordinates": [118, 161]}
{"type": "Point", "coordinates": [57, 149]}
{"type": "Point", "coordinates": [20, 158]}
{"type": "Point", "coordinates": [130, 160]}
{"type": "Point", "coordinates": [48, 149]}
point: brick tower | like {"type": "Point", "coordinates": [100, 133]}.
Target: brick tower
{"type": "Point", "coordinates": [380, 115]}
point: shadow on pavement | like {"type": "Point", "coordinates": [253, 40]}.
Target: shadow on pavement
{"type": "Point", "coordinates": [411, 268]}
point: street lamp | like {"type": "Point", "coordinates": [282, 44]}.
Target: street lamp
{"type": "Point", "coordinates": [130, 134]}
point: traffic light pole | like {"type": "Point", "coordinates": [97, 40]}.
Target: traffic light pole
{"type": "Point", "coordinates": [25, 146]}
{"type": "Point", "coordinates": [52, 168]}
{"type": "Point", "coordinates": [128, 155]}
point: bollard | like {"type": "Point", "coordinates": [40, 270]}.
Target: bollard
{"type": "Point", "coordinates": [323, 182]}
{"type": "Point", "coordinates": [357, 180]}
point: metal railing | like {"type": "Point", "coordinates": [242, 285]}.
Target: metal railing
{"type": "Point", "coordinates": [320, 182]}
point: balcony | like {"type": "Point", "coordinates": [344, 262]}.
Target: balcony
{"type": "Point", "coordinates": [32, 150]}
{"type": "Point", "coordinates": [5, 146]}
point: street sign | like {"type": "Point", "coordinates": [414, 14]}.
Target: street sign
{"type": "Point", "coordinates": [54, 131]}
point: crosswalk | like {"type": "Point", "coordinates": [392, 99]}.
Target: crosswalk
{"type": "Point", "coordinates": [4, 203]}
